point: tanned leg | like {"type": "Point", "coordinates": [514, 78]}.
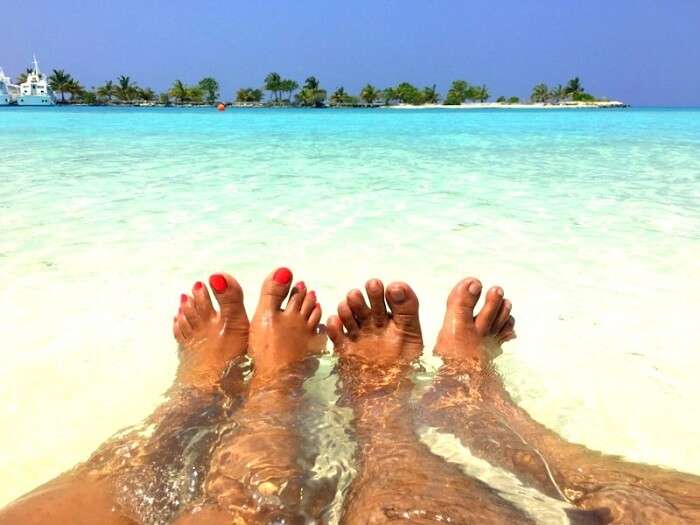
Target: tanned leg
{"type": "Point", "coordinates": [470, 401]}
{"type": "Point", "coordinates": [257, 471]}
{"type": "Point", "coordinates": [399, 479]}
{"type": "Point", "coordinates": [143, 476]}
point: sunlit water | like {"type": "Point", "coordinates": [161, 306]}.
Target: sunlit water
{"type": "Point", "coordinates": [589, 220]}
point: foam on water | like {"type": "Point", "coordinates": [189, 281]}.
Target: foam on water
{"type": "Point", "coordinates": [589, 219]}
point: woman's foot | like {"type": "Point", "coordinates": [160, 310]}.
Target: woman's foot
{"type": "Point", "coordinates": [282, 337]}
{"type": "Point", "coordinates": [469, 336]}
{"type": "Point", "coordinates": [374, 333]}
{"type": "Point", "coordinates": [210, 340]}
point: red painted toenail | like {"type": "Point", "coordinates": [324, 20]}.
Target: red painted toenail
{"type": "Point", "coordinates": [183, 298]}
{"type": "Point", "coordinates": [198, 285]}
{"type": "Point", "coordinates": [312, 295]}
{"type": "Point", "coordinates": [218, 282]}
{"type": "Point", "coordinates": [301, 285]}
{"type": "Point", "coordinates": [282, 276]}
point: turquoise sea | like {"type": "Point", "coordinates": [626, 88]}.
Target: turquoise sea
{"type": "Point", "coordinates": [590, 220]}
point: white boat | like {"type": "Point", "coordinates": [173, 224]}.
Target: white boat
{"type": "Point", "coordinates": [8, 90]}
{"type": "Point", "coordinates": [35, 91]}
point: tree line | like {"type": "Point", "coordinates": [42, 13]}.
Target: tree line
{"type": "Point", "coordinates": [288, 92]}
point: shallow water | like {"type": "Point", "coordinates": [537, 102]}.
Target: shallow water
{"type": "Point", "coordinates": [589, 219]}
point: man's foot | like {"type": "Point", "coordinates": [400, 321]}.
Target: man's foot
{"type": "Point", "coordinates": [282, 337]}
{"type": "Point", "coordinates": [374, 334]}
{"type": "Point", "coordinates": [465, 335]}
{"type": "Point", "coordinates": [210, 340]}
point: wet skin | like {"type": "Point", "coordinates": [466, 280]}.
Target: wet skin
{"type": "Point", "coordinates": [258, 469]}
{"type": "Point", "coordinates": [399, 479]}
{"type": "Point", "coordinates": [469, 400]}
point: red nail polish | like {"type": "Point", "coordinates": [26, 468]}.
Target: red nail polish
{"type": "Point", "coordinates": [282, 276]}
{"type": "Point", "coordinates": [312, 295]}
{"type": "Point", "coordinates": [301, 285]}
{"type": "Point", "coordinates": [218, 282]}
{"type": "Point", "coordinates": [183, 298]}
{"type": "Point", "coordinates": [198, 285]}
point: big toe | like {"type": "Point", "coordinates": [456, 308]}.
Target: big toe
{"type": "Point", "coordinates": [404, 308]}
{"type": "Point", "coordinates": [228, 294]}
{"type": "Point", "coordinates": [462, 300]}
{"type": "Point", "coordinates": [275, 289]}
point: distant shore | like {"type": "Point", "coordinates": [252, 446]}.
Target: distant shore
{"type": "Point", "coordinates": [533, 105]}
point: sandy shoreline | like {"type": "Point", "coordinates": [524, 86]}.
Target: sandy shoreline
{"type": "Point", "coordinates": [534, 105]}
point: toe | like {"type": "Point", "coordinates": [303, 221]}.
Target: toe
{"type": "Point", "coordinates": [345, 314]}
{"type": "Point", "coordinates": [315, 317]}
{"type": "Point", "coordinates": [508, 331]}
{"type": "Point", "coordinates": [189, 311]}
{"type": "Point", "coordinates": [375, 292]}
{"type": "Point", "coordinates": [183, 328]}
{"type": "Point", "coordinates": [308, 304]}
{"type": "Point", "coordinates": [463, 299]}
{"type": "Point", "coordinates": [202, 301]}
{"type": "Point", "coordinates": [275, 289]}
{"type": "Point", "coordinates": [487, 316]}
{"type": "Point", "coordinates": [502, 317]}
{"type": "Point", "coordinates": [404, 307]}
{"type": "Point", "coordinates": [229, 295]}
{"type": "Point", "coordinates": [296, 297]}
{"type": "Point", "coordinates": [334, 326]}
{"type": "Point", "coordinates": [357, 304]}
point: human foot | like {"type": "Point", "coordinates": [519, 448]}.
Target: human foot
{"type": "Point", "coordinates": [465, 335]}
{"type": "Point", "coordinates": [282, 337]}
{"type": "Point", "coordinates": [373, 334]}
{"type": "Point", "coordinates": [210, 340]}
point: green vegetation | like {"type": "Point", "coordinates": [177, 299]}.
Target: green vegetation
{"type": "Point", "coordinates": [287, 92]}
{"type": "Point", "coordinates": [210, 87]}
{"type": "Point", "coordinates": [311, 94]}
{"type": "Point", "coordinates": [573, 91]}
{"type": "Point", "coordinates": [249, 95]}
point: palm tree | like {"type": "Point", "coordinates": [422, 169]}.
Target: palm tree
{"type": "Point", "coordinates": [107, 91]}
{"type": "Point", "coordinates": [311, 94]}
{"type": "Point", "coordinates": [481, 94]}
{"type": "Point", "coordinates": [339, 97]}
{"type": "Point", "coordinates": [558, 93]}
{"type": "Point", "coordinates": [249, 95]}
{"type": "Point", "coordinates": [460, 91]}
{"type": "Point", "coordinates": [147, 95]}
{"type": "Point", "coordinates": [369, 94]}
{"type": "Point", "coordinates": [195, 94]}
{"type": "Point", "coordinates": [574, 87]}
{"type": "Point", "coordinates": [61, 82]}
{"type": "Point", "coordinates": [179, 91]}
{"type": "Point", "coordinates": [76, 90]}
{"type": "Point", "coordinates": [288, 86]}
{"type": "Point", "coordinates": [390, 95]}
{"type": "Point", "coordinates": [125, 90]}
{"type": "Point", "coordinates": [211, 88]}
{"type": "Point", "coordinates": [430, 95]}
{"type": "Point", "coordinates": [272, 84]}
{"type": "Point", "coordinates": [540, 93]}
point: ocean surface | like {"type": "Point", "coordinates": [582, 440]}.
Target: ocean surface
{"type": "Point", "coordinates": [590, 220]}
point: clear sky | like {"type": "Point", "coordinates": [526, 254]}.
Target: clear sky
{"type": "Point", "coordinates": [645, 52]}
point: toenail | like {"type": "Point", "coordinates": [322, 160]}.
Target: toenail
{"type": "Point", "coordinates": [218, 282]}
{"type": "Point", "coordinates": [198, 285]}
{"type": "Point", "coordinates": [312, 295]}
{"type": "Point", "coordinates": [183, 298]}
{"type": "Point", "coordinates": [474, 287]}
{"type": "Point", "coordinates": [301, 285]}
{"type": "Point", "coordinates": [499, 291]}
{"type": "Point", "coordinates": [397, 294]}
{"type": "Point", "coordinates": [282, 276]}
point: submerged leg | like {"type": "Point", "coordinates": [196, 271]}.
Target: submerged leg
{"type": "Point", "coordinates": [257, 471]}
{"type": "Point", "coordinates": [399, 479]}
{"type": "Point", "coordinates": [470, 401]}
{"type": "Point", "coordinates": [146, 473]}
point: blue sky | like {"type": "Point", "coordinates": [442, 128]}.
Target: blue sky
{"type": "Point", "coordinates": [644, 52]}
